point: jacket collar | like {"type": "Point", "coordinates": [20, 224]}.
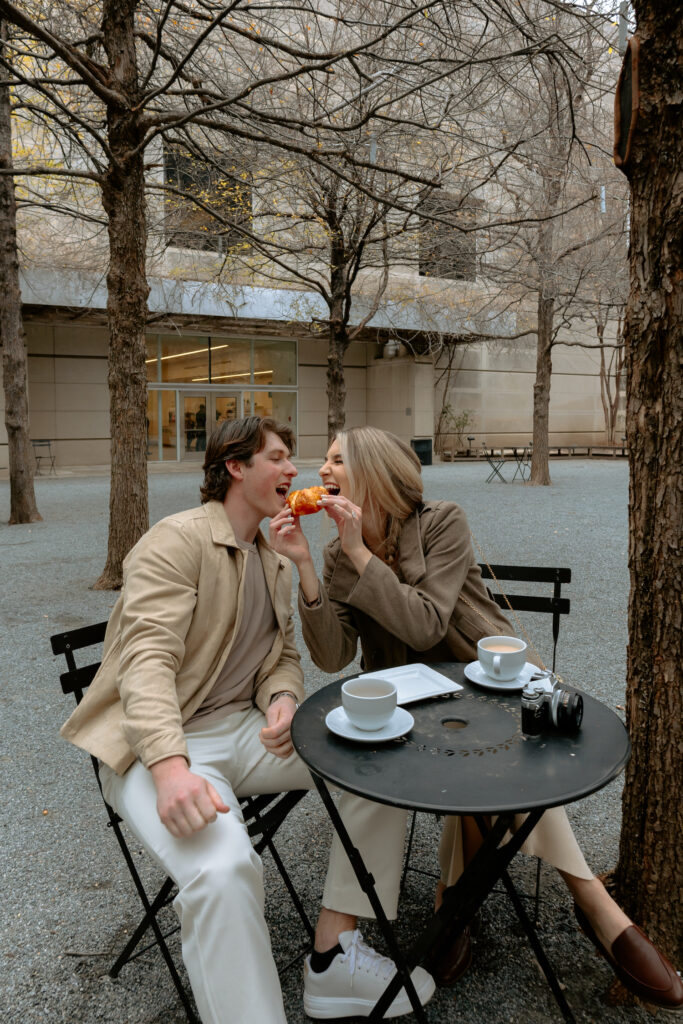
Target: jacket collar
{"type": "Point", "coordinates": [222, 532]}
{"type": "Point", "coordinates": [219, 524]}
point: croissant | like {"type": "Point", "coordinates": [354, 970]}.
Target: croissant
{"type": "Point", "coordinates": [304, 502]}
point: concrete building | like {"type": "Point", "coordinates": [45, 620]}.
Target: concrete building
{"type": "Point", "coordinates": [208, 361]}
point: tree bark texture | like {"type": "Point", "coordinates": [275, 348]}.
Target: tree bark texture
{"type": "Point", "coordinates": [23, 507]}
{"type": "Point", "coordinates": [339, 305]}
{"type": "Point", "coordinates": [552, 170]}
{"type": "Point", "coordinates": [123, 198]}
{"type": "Point", "coordinates": [336, 385]}
{"type": "Point", "coordinates": [648, 875]}
{"type": "Point", "coordinates": [540, 470]}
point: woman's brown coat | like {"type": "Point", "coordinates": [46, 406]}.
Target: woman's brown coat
{"type": "Point", "coordinates": [434, 608]}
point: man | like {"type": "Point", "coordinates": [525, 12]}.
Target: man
{"type": "Point", "coordinates": [191, 710]}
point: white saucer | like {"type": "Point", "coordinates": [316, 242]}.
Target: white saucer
{"type": "Point", "coordinates": [476, 674]}
{"type": "Point", "coordinates": [400, 723]}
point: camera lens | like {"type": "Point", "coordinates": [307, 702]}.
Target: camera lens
{"type": "Point", "coordinates": [567, 710]}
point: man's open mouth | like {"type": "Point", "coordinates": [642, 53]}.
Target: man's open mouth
{"type": "Point", "coordinates": [332, 489]}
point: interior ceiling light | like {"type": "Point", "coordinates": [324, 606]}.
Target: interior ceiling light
{"type": "Point", "coordinates": [229, 376]}
{"type": "Point", "coordinates": [192, 352]}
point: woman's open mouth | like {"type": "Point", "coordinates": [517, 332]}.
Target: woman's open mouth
{"type": "Point", "coordinates": [332, 489]}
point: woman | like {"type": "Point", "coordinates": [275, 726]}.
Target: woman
{"type": "Point", "coordinates": [401, 577]}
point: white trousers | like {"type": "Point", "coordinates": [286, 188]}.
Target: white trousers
{"type": "Point", "coordinates": [225, 941]}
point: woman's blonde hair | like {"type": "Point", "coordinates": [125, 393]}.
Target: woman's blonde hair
{"type": "Point", "coordinates": [384, 477]}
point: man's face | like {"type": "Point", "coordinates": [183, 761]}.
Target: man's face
{"type": "Point", "coordinates": [268, 477]}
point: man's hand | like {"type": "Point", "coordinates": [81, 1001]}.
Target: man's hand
{"type": "Point", "coordinates": [275, 735]}
{"type": "Point", "coordinates": [186, 802]}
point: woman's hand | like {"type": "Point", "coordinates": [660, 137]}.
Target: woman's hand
{"type": "Point", "coordinates": [287, 538]}
{"type": "Point", "coordinates": [349, 520]}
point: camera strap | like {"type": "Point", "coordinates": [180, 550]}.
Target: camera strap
{"type": "Point", "coordinates": [520, 627]}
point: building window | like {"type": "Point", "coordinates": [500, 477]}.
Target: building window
{"type": "Point", "coordinates": [225, 194]}
{"type": "Point", "coordinates": [448, 247]}
{"type": "Point", "coordinates": [226, 362]}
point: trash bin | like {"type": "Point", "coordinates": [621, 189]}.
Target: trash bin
{"type": "Point", "coordinates": [423, 449]}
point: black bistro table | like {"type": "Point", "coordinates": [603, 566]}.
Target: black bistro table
{"type": "Point", "coordinates": [466, 754]}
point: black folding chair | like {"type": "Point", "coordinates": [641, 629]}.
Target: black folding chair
{"type": "Point", "coordinates": [496, 462]}
{"type": "Point", "coordinates": [263, 815]}
{"type": "Point", "coordinates": [543, 604]}
{"type": "Point", "coordinates": [523, 459]}
{"type": "Point", "coordinates": [42, 451]}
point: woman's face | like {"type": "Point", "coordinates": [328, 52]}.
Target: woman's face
{"type": "Point", "coordinates": [332, 472]}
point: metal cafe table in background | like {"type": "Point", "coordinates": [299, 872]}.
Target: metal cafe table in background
{"type": "Point", "coordinates": [466, 754]}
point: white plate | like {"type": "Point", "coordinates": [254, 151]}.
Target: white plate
{"type": "Point", "coordinates": [476, 674]}
{"type": "Point", "coordinates": [401, 722]}
{"type": "Point", "coordinates": [415, 682]}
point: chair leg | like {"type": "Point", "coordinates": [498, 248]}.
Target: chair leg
{"type": "Point", "coordinates": [150, 916]}
{"type": "Point", "coordinates": [290, 889]}
{"type": "Point", "coordinates": [406, 862]}
{"type": "Point", "coordinates": [538, 950]}
{"type": "Point", "coordinates": [126, 953]}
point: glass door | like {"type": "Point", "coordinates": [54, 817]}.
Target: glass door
{"type": "Point", "coordinates": [193, 414]}
{"type": "Point", "coordinates": [199, 414]}
{"type": "Point", "coordinates": [226, 406]}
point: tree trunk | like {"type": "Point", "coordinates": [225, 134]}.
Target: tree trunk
{"type": "Point", "coordinates": [605, 396]}
{"type": "Point", "coordinates": [340, 307]}
{"type": "Point", "coordinates": [648, 875]}
{"type": "Point", "coordinates": [23, 508]}
{"type": "Point", "coordinates": [123, 198]}
{"type": "Point", "coordinates": [336, 385]}
{"type": "Point", "coordinates": [540, 472]}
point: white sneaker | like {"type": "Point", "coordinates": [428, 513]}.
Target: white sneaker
{"type": "Point", "coordinates": [355, 980]}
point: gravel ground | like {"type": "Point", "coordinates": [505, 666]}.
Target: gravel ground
{"type": "Point", "coordinates": [68, 897]}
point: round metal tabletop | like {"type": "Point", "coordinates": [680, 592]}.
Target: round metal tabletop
{"type": "Point", "coordinates": [466, 753]}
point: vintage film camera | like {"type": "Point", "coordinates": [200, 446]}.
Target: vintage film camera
{"type": "Point", "coordinates": [546, 705]}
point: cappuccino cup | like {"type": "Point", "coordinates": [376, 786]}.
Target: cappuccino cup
{"type": "Point", "coordinates": [502, 657]}
{"type": "Point", "coordinates": [369, 703]}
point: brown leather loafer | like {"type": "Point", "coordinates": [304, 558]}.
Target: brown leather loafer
{"type": "Point", "coordinates": [449, 962]}
{"type": "Point", "coordinates": [638, 964]}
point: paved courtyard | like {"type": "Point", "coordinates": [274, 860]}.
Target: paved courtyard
{"type": "Point", "coordinates": [68, 899]}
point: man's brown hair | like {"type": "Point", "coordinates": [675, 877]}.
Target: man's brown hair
{"type": "Point", "coordinates": [240, 440]}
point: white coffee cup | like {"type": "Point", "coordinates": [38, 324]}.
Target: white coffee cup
{"type": "Point", "coordinates": [369, 703]}
{"type": "Point", "coordinates": [502, 657]}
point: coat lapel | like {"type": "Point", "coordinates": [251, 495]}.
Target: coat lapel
{"type": "Point", "coordinates": [411, 557]}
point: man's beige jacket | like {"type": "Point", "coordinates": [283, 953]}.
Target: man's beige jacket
{"type": "Point", "coordinates": [169, 634]}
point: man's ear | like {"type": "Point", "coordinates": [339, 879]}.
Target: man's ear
{"type": "Point", "coordinates": [235, 468]}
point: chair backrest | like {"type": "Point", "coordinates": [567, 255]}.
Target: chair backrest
{"type": "Point", "coordinates": [77, 679]}
{"type": "Point", "coordinates": [554, 605]}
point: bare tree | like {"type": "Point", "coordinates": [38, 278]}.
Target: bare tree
{"type": "Point", "coordinates": [112, 78]}
{"type": "Point", "coordinates": [356, 233]}
{"type": "Point", "coordinates": [23, 507]}
{"type": "Point", "coordinates": [545, 220]}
